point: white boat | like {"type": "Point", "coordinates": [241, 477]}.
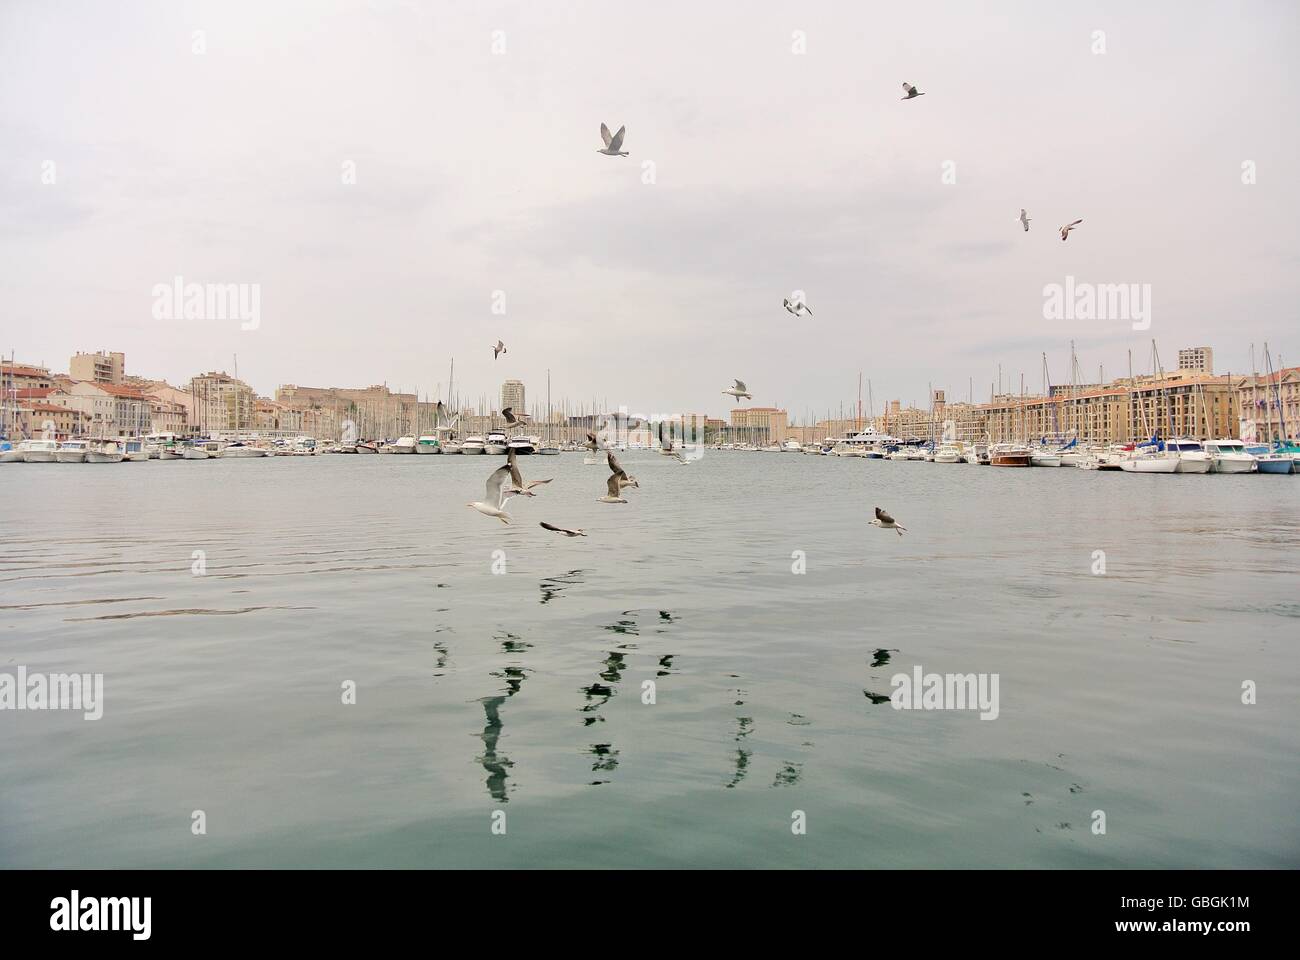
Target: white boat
{"type": "Point", "coordinates": [472, 446]}
{"type": "Point", "coordinates": [522, 445]}
{"type": "Point", "coordinates": [366, 446]}
{"type": "Point", "coordinates": [239, 450]}
{"type": "Point", "coordinates": [791, 446]}
{"type": "Point", "coordinates": [1044, 458]}
{"type": "Point", "coordinates": [428, 444]}
{"type": "Point", "coordinates": [902, 453]}
{"type": "Point", "coordinates": [71, 451]}
{"type": "Point", "coordinates": [1073, 458]}
{"type": "Point", "coordinates": [1148, 460]}
{"type": "Point", "coordinates": [1229, 456]}
{"type": "Point", "coordinates": [549, 449]}
{"type": "Point", "coordinates": [948, 453]}
{"type": "Point", "coordinates": [38, 451]}
{"type": "Point", "coordinates": [915, 453]}
{"type": "Point", "coordinates": [403, 445]}
{"type": "Point", "coordinates": [1191, 456]}
{"type": "Point", "coordinates": [496, 444]}
{"type": "Point", "coordinates": [133, 449]}
{"type": "Point", "coordinates": [194, 450]}
{"type": "Point", "coordinates": [104, 451]}
{"type": "Point", "coordinates": [812, 449]}
{"type": "Point", "coordinates": [9, 453]}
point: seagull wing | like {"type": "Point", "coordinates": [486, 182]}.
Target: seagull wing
{"type": "Point", "coordinates": [1074, 224]}
{"type": "Point", "coordinates": [615, 466]}
{"type": "Point", "coordinates": [508, 413]}
{"type": "Point", "coordinates": [807, 308]}
{"type": "Point", "coordinates": [740, 385]}
{"type": "Point", "coordinates": [883, 517]}
{"type": "Point", "coordinates": [604, 135]}
{"type": "Point", "coordinates": [512, 462]}
{"type": "Point", "coordinates": [494, 494]}
{"type": "Point", "coordinates": [908, 88]}
{"type": "Point", "coordinates": [612, 484]}
{"type": "Point", "coordinates": [537, 483]}
{"type": "Point", "coordinates": [617, 142]}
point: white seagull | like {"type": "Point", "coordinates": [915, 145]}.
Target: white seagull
{"type": "Point", "coordinates": [797, 307]}
{"type": "Point", "coordinates": [738, 391]}
{"type": "Point", "coordinates": [498, 349]}
{"type": "Point", "coordinates": [1065, 230]}
{"type": "Point", "coordinates": [495, 495]}
{"type": "Point", "coordinates": [521, 489]}
{"type": "Point", "coordinates": [612, 144]}
{"type": "Point", "coordinates": [564, 530]}
{"type": "Point", "coordinates": [618, 479]}
{"type": "Point", "coordinates": [911, 91]}
{"type": "Point", "coordinates": [591, 443]}
{"type": "Point", "coordinates": [885, 522]}
{"type": "Point", "coordinates": [1024, 220]}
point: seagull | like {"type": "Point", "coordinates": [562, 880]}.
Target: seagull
{"type": "Point", "coordinates": [563, 530]}
{"type": "Point", "coordinates": [591, 443]}
{"type": "Point", "coordinates": [911, 91]}
{"type": "Point", "coordinates": [885, 522]}
{"type": "Point", "coordinates": [797, 307]}
{"type": "Point", "coordinates": [618, 479]}
{"type": "Point", "coordinates": [1024, 219]}
{"type": "Point", "coordinates": [498, 349]}
{"type": "Point", "coordinates": [1065, 230]}
{"type": "Point", "coordinates": [440, 412]}
{"type": "Point", "coordinates": [521, 489]}
{"type": "Point", "coordinates": [612, 144]}
{"type": "Point", "coordinates": [513, 420]}
{"type": "Point", "coordinates": [495, 495]}
{"type": "Point", "coordinates": [738, 391]}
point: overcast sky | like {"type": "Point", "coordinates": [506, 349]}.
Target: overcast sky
{"type": "Point", "coordinates": [774, 172]}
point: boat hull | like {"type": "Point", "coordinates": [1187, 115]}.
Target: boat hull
{"type": "Point", "coordinates": [1045, 459]}
{"type": "Point", "coordinates": [70, 456]}
{"type": "Point", "coordinates": [97, 457]}
{"type": "Point", "coordinates": [1226, 465]}
{"type": "Point", "coordinates": [1193, 465]}
{"type": "Point", "coordinates": [1280, 465]}
{"type": "Point", "coordinates": [1149, 465]}
{"type": "Point", "coordinates": [1009, 460]}
{"type": "Point", "coordinates": [195, 453]}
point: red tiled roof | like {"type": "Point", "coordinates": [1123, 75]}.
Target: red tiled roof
{"type": "Point", "coordinates": [33, 393]}
{"type": "Point", "coordinates": [22, 370]}
{"type": "Point", "coordinates": [50, 408]}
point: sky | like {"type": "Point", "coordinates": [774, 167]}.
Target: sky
{"type": "Point", "coordinates": [781, 158]}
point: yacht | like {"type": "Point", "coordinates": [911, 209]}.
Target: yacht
{"type": "Point", "coordinates": [948, 453]}
{"type": "Point", "coordinates": [428, 444]}
{"type": "Point", "coordinates": [367, 446]}
{"type": "Point", "coordinates": [239, 450]}
{"type": "Point", "coordinates": [522, 445]}
{"type": "Point", "coordinates": [496, 444]}
{"type": "Point", "coordinates": [71, 451]}
{"type": "Point", "coordinates": [900, 454]}
{"type": "Point", "coordinates": [195, 450]}
{"type": "Point", "coordinates": [549, 449]}
{"type": "Point", "coordinates": [1009, 455]}
{"type": "Point", "coordinates": [1148, 459]}
{"type": "Point", "coordinates": [1191, 456]}
{"type": "Point", "coordinates": [791, 446]}
{"type": "Point", "coordinates": [472, 446]}
{"type": "Point", "coordinates": [1230, 456]}
{"type": "Point", "coordinates": [403, 445]}
{"type": "Point", "coordinates": [38, 451]}
{"type": "Point", "coordinates": [450, 446]}
{"type": "Point", "coordinates": [104, 451]}
{"type": "Point", "coordinates": [1042, 457]}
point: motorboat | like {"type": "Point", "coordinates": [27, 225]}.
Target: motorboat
{"type": "Point", "coordinates": [791, 446]}
{"type": "Point", "coordinates": [428, 444]}
{"type": "Point", "coordinates": [38, 451]}
{"type": "Point", "coordinates": [472, 446]}
{"type": "Point", "coordinates": [1148, 460]}
{"type": "Point", "coordinates": [1269, 461]}
{"type": "Point", "coordinates": [1191, 456]}
{"type": "Point", "coordinates": [402, 445]}
{"type": "Point", "coordinates": [1009, 455]}
{"type": "Point", "coordinates": [367, 446]}
{"type": "Point", "coordinates": [549, 449]}
{"type": "Point", "coordinates": [496, 444]}
{"type": "Point", "coordinates": [134, 448]}
{"type": "Point", "coordinates": [522, 445]}
{"type": "Point", "coordinates": [9, 453]}
{"type": "Point", "coordinates": [240, 450]}
{"type": "Point", "coordinates": [1230, 456]}
{"type": "Point", "coordinates": [948, 453]}
{"type": "Point", "coordinates": [104, 451]}
{"type": "Point", "coordinates": [71, 451]}
{"type": "Point", "coordinates": [1043, 457]}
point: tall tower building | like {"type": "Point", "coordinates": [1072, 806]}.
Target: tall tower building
{"type": "Point", "coordinates": [1199, 359]}
{"type": "Point", "coordinates": [512, 396]}
{"type": "Point", "coordinates": [98, 367]}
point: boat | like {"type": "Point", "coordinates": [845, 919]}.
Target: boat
{"type": "Point", "coordinates": [1191, 456]}
{"type": "Point", "coordinates": [522, 445]}
{"type": "Point", "coordinates": [1009, 455]}
{"type": "Point", "coordinates": [428, 444]}
{"type": "Point", "coordinates": [9, 453]}
{"type": "Point", "coordinates": [472, 446]}
{"type": "Point", "coordinates": [496, 444]}
{"type": "Point", "coordinates": [791, 446]}
{"type": "Point", "coordinates": [38, 451]}
{"type": "Point", "coordinates": [1043, 457]}
{"type": "Point", "coordinates": [899, 454]}
{"type": "Point", "coordinates": [915, 453]}
{"type": "Point", "coordinates": [549, 449]}
{"type": "Point", "coordinates": [104, 451]}
{"type": "Point", "coordinates": [133, 449]}
{"type": "Point", "coordinates": [239, 450]}
{"type": "Point", "coordinates": [812, 449]}
{"type": "Point", "coordinates": [403, 445]}
{"type": "Point", "coordinates": [71, 451]}
{"type": "Point", "coordinates": [1148, 460]}
{"type": "Point", "coordinates": [367, 446]}
{"type": "Point", "coordinates": [948, 453]}
{"type": "Point", "coordinates": [1230, 456]}
{"type": "Point", "coordinates": [1267, 461]}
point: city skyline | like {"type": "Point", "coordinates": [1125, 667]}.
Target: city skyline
{"type": "Point", "coordinates": [653, 294]}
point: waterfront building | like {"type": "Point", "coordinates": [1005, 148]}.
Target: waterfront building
{"type": "Point", "coordinates": [512, 396]}
{"type": "Point", "coordinates": [1270, 405]}
{"type": "Point", "coordinates": [36, 418]}
{"type": "Point", "coordinates": [222, 403]}
{"type": "Point", "coordinates": [98, 367]}
{"type": "Point", "coordinates": [758, 425]}
{"type": "Point", "coordinates": [1196, 359]}
{"type": "Point", "coordinates": [21, 376]}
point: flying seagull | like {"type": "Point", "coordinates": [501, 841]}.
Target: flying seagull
{"type": "Point", "coordinates": [885, 522]}
{"type": "Point", "coordinates": [1065, 230]}
{"type": "Point", "coordinates": [591, 443]}
{"type": "Point", "coordinates": [738, 391]}
{"type": "Point", "coordinates": [797, 307]}
{"type": "Point", "coordinates": [612, 144]}
{"type": "Point", "coordinates": [911, 91]}
{"type": "Point", "coordinates": [521, 489]}
{"type": "Point", "coordinates": [495, 495]}
{"type": "Point", "coordinates": [513, 419]}
{"type": "Point", "coordinates": [499, 349]}
{"type": "Point", "coordinates": [564, 530]}
{"type": "Point", "coordinates": [618, 479]}
{"type": "Point", "coordinates": [1024, 220]}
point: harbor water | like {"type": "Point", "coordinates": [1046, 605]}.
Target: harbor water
{"type": "Point", "coordinates": [709, 666]}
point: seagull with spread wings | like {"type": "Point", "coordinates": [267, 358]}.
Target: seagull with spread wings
{"type": "Point", "coordinates": [618, 479]}
{"type": "Point", "coordinates": [738, 391]}
{"type": "Point", "coordinates": [1065, 230]}
{"type": "Point", "coordinates": [613, 144]}
{"type": "Point", "coordinates": [1024, 220]}
{"type": "Point", "coordinates": [495, 495]}
{"type": "Point", "coordinates": [498, 349]}
{"type": "Point", "coordinates": [797, 307]}
{"type": "Point", "coordinates": [515, 419]}
{"type": "Point", "coordinates": [885, 522]}
{"type": "Point", "coordinates": [520, 488]}
{"type": "Point", "coordinates": [563, 530]}
{"type": "Point", "coordinates": [911, 91]}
